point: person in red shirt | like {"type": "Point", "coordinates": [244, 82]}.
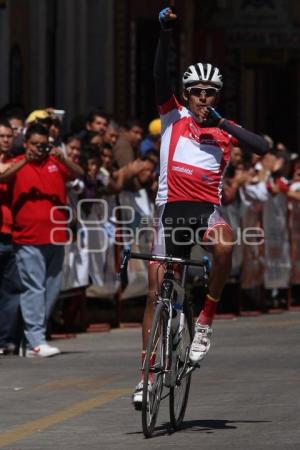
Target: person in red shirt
{"type": "Point", "coordinates": [9, 287]}
{"type": "Point", "coordinates": [37, 185]}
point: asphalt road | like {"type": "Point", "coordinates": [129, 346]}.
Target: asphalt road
{"type": "Point", "coordinates": [245, 396]}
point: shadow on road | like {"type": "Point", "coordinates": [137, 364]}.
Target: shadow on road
{"type": "Point", "coordinates": [203, 426]}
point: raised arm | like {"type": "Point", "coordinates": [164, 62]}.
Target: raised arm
{"type": "Point", "coordinates": [162, 81]}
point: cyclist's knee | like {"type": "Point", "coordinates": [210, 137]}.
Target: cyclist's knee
{"type": "Point", "coordinates": [223, 246]}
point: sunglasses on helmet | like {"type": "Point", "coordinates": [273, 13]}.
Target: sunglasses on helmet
{"type": "Point", "coordinates": [199, 91]}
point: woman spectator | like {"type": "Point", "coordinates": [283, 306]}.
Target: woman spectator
{"type": "Point", "coordinates": [72, 147]}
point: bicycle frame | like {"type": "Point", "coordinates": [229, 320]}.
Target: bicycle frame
{"type": "Point", "coordinates": [172, 295]}
{"type": "Point", "coordinates": [166, 362]}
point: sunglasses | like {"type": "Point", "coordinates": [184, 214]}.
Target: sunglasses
{"type": "Point", "coordinates": [198, 91]}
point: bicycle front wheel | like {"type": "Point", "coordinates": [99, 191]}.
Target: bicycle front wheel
{"type": "Point", "coordinates": [179, 393]}
{"type": "Point", "coordinates": [154, 369]}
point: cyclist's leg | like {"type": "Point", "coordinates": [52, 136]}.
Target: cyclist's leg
{"type": "Point", "coordinates": [220, 238]}
{"type": "Point", "coordinates": [163, 244]}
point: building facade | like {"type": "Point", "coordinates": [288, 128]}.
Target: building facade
{"type": "Point", "coordinates": [75, 54]}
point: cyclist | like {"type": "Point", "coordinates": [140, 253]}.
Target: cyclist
{"type": "Point", "coordinates": [195, 148]}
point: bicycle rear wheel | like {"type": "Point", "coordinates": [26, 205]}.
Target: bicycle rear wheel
{"type": "Point", "coordinates": [154, 368]}
{"type": "Point", "coordinates": [179, 394]}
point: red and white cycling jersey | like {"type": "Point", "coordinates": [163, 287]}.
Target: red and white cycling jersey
{"type": "Point", "coordinates": [192, 159]}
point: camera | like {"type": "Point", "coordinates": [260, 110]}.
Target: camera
{"type": "Point", "coordinates": [45, 148]}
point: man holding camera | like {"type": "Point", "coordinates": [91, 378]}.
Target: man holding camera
{"type": "Point", "coordinates": [37, 185]}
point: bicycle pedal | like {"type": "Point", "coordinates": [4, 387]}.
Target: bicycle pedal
{"type": "Point", "coordinates": [137, 406]}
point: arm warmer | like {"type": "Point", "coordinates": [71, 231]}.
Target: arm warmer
{"type": "Point", "coordinates": [252, 141]}
{"type": "Point", "coordinates": [162, 81]}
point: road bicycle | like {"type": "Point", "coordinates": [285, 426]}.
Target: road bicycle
{"type": "Point", "coordinates": [166, 366]}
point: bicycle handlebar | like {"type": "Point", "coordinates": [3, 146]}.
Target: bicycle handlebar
{"type": "Point", "coordinates": [168, 259]}
{"type": "Point", "coordinates": [159, 258]}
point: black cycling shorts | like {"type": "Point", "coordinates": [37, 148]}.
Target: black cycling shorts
{"type": "Point", "coordinates": [183, 224]}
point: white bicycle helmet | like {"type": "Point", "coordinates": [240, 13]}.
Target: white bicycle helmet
{"type": "Point", "coordinates": [202, 72]}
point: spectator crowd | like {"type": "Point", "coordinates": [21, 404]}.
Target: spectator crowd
{"type": "Point", "coordinates": [70, 202]}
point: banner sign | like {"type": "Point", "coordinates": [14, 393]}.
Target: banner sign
{"type": "Point", "coordinates": [277, 246]}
